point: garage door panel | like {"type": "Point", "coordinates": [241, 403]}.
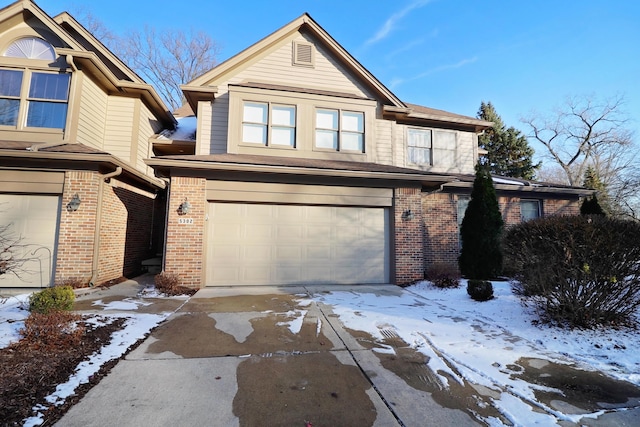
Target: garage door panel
{"type": "Point", "coordinates": [286, 244]}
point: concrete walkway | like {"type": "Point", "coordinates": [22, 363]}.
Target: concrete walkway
{"type": "Point", "coordinates": [267, 356]}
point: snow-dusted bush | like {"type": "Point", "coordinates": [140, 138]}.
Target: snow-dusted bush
{"type": "Point", "coordinates": [579, 270]}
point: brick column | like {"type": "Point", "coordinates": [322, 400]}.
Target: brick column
{"type": "Point", "coordinates": [442, 245]}
{"type": "Point", "coordinates": [77, 229]}
{"type": "Point", "coordinates": [185, 233]}
{"type": "Point", "coordinates": [409, 236]}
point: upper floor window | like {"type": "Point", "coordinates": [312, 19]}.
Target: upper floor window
{"type": "Point", "coordinates": [30, 97]}
{"type": "Point", "coordinates": [33, 99]}
{"type": "Point", "coordinates": [269, 124]}
{"type": "Point", "coordinates": [339, 130]}
{"type": "Point", "coordinates": [431, 147]}
{"type": "Point", "coordinates": [529, 209]}
{"type": "Point", "coordinates": [31, 48]}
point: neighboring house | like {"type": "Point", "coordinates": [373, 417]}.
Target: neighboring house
{"type": "Point", "coordinates": [304, 168]}
{"type": "Point", "coordinates": [75, 124]}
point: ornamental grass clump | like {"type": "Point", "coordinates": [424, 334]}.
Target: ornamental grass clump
{"type": "Point", "coordinates": [579, 271]}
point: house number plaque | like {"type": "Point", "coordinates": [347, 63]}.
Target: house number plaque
{"type": "Point", "coordinates": [185, 220]}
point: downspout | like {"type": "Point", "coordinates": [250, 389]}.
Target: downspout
{"type": "Point", "coordinates": [96, 231]}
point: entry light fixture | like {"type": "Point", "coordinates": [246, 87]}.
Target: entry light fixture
{"type": "Point", "coordinates": [184, 207]}
{"type": "Point", "coordinates": [74, 203]}
{"type": "Point", "coordinates": [407, 215]}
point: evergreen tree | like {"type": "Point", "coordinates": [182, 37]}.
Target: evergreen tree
{"type": "Point", "coordinates": [481, 256]}
{"type": "Point", "coordinates": [591, 205]}
{"type": "Point", "coordinates": [509, 153]}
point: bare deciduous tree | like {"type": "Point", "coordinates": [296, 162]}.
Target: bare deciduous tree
{"type": "Point", "coordinates": [163, 58]}
{"type": "Point", "coordinates": [168, 59]}
{"type": "Point", "coordinates": [590, 132]}
{"type": "Point", "coordinates": [10, 248]}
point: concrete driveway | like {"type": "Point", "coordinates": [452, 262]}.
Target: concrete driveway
{"type": "Point", "coordinates": [266, 356]}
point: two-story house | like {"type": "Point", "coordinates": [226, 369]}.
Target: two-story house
{"type": "Point", "coordinates": [75, 124]}
{"type": "Point", "coordinates": [302, 167]}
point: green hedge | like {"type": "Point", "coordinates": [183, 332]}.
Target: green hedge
{"type": "Point", "coordinates": [579, 270]}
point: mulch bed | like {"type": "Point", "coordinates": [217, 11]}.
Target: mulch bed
{"type": "Point", "coordinates": [29, 373]}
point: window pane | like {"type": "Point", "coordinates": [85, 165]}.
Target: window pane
{"type": "Point", "coordinates": [444, 148]}
{"type": "Point", "coordinates": [10, 82]}
{"type": "Point", "coordinates": [255, 113]}
{"type": "Point", "coordinates": [283, 136]}
{"type": "Point", "coordinates": [529, 209]}
{"type": "Point", "coordinates": [419, 155]}
{"type": "Point", "coordinates": [419, 138]}
{"type": "Point", "coordinates": [9, 112]}
{"type": "Point", "coordinates": [327, 119]}
{"type": "Point", "coordinates": [47, 114]}
{"type": "Point", "coordinates": [352, 141]}
{"type": "Point", "coordinates": [444, 157]}
{"type": "Point", "coordinates": [283, 116]}
{"type": "Point", "coordinates": [256, 134]}
{"type": "Point", "coordinates": [353, 122]}
{"type": "Point", "coordinates": [327, 139]}
{"type": "Point", "coordinates": [49, 86]}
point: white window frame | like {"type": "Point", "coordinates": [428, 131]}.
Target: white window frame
{"type": "Point", "coordinates": [341, 131]}
{"type": "Point", "coordinates": [413, 147]}
{"type": "Point", "coordinates": [435, 150]}
{"type": "Point", "coordinates": [270, 126]}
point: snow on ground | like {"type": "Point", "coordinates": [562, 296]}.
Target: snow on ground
{"type": "Point", "coordinates": [13, 312]}
{"type": "Point", "coordinates": [482, 341]}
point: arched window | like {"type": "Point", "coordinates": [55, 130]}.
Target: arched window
{"type": "Point", "coordinates": [31, 48]}
{"type": "Point", "coordinates": [42, 101]}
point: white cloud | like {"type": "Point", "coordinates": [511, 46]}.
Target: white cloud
{"type": "Point", "coordinates": [391, 22]}
{"type": "Point", "coordinates": [398, 81]}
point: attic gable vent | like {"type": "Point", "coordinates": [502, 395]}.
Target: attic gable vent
{"type": "Point", "coordinates": [303, 54]}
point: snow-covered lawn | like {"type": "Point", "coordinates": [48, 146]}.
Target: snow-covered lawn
{"type": "Point", "coordinates": [480, 341]}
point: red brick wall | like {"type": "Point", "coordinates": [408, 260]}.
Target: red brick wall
{"type": "Point", "coordinates": [561, 207]}
{"type": "Point", "coordinates": [184, 242]}
{"type": "Point", "coordinates": [125, 231]}
{"type": "Point", "coordinates": [441, 241]}
{"type": "Point", "coordinates": [409, 236]}
{"type": "Point", "coordinates": [76, 235]}
{"type": "Point", "coordinates": [510, 209]}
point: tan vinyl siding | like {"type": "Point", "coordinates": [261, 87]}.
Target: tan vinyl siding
{"type": "Point", "coordinates": [399, 145]}
{"type": "Point", "coordinates": [384, 141]}
{"type": "Point", "coordinates": [119, 127]}
{"type": "Point", "coordinates": [148, 126]}
{"type": "Point", "coordinates": [219, 125]}
{"type": "Point", "coordinates": [92, 113]}
{"type": "Point", "coordinates": [466, 158]}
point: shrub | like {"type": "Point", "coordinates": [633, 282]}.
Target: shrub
{"type": "Point", "coordinates": [480, 290]}
{"type": "Point", "coordinates": [443, 275]}
{"type": "Point", "coordinates": [170, 284]}
{"type": "Point", "coordinates": [52, 299]}
{"type": "Point", "coordinates": [55, 329]}
{"type": "Point", "coordinates": [481, 256]}
{"type": "Point", "coordinates": [74, 282]}
{"type": "Point", "coordinates": [591, 206]}
{"type": "Point", "coordinates": [579, 270]}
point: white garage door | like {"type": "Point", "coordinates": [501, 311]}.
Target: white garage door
{"type": "Point", "coordinates": [34, 219]}
{"type": "Point", "coordinates": [253, 244]}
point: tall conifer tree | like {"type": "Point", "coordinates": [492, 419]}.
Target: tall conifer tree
{"type": "Point", "coordinates": [509, 153]}
{"type": "Point", "coordinates": [481, 256]}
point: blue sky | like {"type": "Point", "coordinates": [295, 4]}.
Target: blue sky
{"type": "Point", "coordinates": [523, 56]}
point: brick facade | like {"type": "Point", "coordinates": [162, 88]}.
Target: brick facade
{"type": "Point", "coordinates": [561, 207]}
{"type": "Point", "coordinates": [184, 253]}
{"type": "Point", "coordinates": [123, 215]}
{"type": "Point", "coordinates": [409, 236]}
{"type": "Point", "coordinates": [441, 238]}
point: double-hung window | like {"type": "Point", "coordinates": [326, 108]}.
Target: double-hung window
{"type": "Point", "coordinates": [269, 124]}
{"type": "Point", "coordinates": [40, 98]}
{"type": "Point", "coordinates": [419, 146]}
{"type": "Point", "coordinates": [339, 130]}
{"type": "Point", "coordinates": [431, 147]}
